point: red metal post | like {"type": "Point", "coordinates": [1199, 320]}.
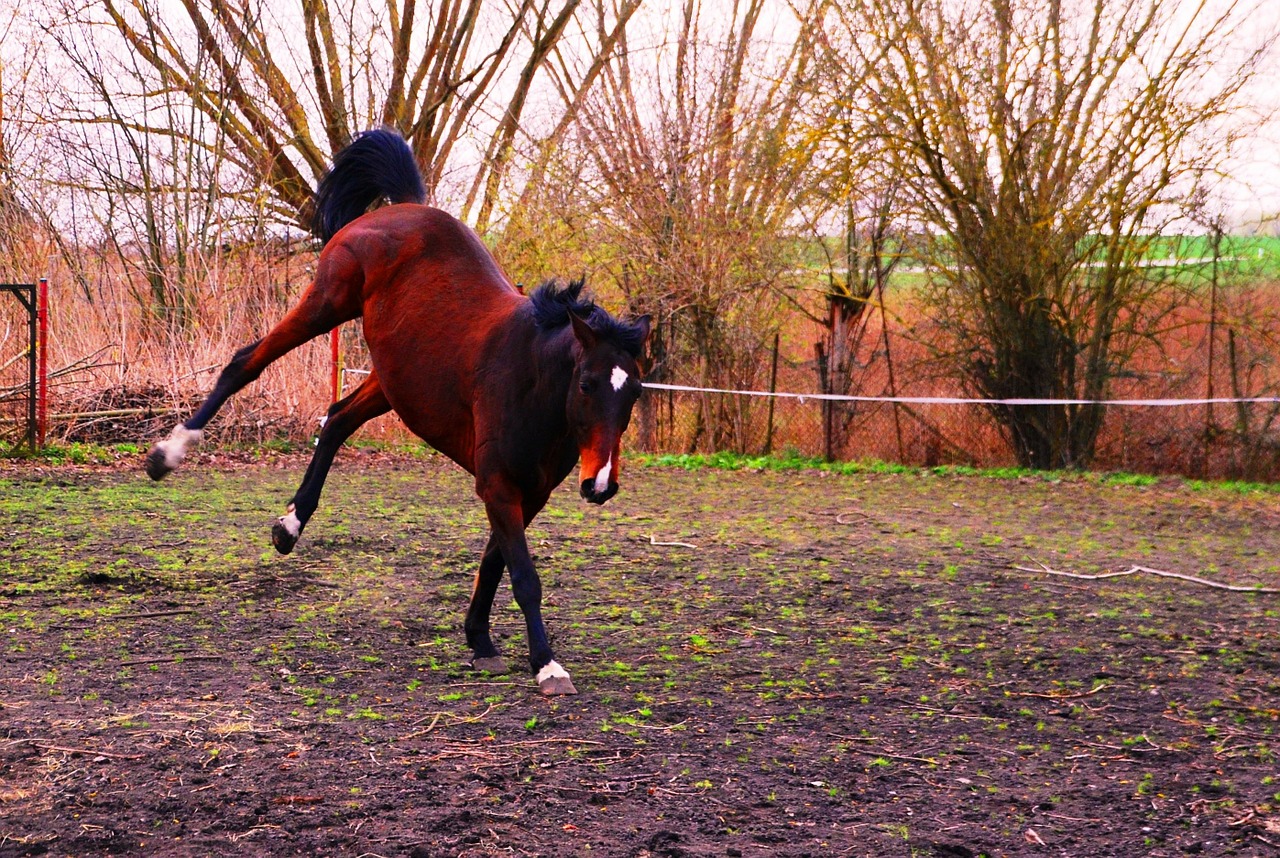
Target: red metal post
{"type": "Point", "coordinates": [335, 378]}
{"type": "Point", "coordinates": [42, 369]}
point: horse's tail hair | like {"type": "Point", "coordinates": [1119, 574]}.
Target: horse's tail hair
{"type": "Point", "coordinates": [377, 164]}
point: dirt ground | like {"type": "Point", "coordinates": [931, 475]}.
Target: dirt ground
{"type": "Point", "coordinates": [770, 664]}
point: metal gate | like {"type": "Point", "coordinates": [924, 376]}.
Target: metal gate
{"type": "Point", "coordinates": [20, 388]}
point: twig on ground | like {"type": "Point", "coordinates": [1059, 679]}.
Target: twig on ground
{"type": "Point", "coordinates": [533, 743]}
{"type": "Point", "coordinates": [1133, 570]}
{"type": "Point", "coordinates": [873, 752]}
{"type": "Point", "coordinates": [1076, 696]}
{"type": "Point", "coordinates": [146, 615]}
{"type": "Point", "coordinates": [1072, 818]}
{"type": "Point", "coordinates": [653, 541]}
{"type": "Point", "coordinates": [90, 752]}
{"type": "Point", "coordinates": [436, 716]}
{"type": "Point", "coordinates": [878, 752]}
{"type": "Point", "coordinates": [170, 659]}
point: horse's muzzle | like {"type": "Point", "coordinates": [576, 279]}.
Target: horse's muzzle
{"type": "Point", "coordinates": [588, 490]}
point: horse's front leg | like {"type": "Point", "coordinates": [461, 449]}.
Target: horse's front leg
{"type": "Point", "coordinates": [507, 518]}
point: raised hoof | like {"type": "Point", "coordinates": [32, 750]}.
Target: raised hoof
{"type": "Point", "coordinates": [494, 665]}
{"type": "Point", "coordinates": [281, 538]}
{"type": "Point", "coordinates": [157, 468]}
{"type": "Point", "coordinates": [555, 686]}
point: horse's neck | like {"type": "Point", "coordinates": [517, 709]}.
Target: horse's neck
{"type": "Point", "coordinates": [543, 422]}
{"type": "Point", "coordinates": [552, 362]}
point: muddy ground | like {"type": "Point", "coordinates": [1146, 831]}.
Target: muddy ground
{"type": "Point", "coordinates": [828, 665]}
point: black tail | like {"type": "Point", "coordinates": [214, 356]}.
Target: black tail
{"type": "Point", "coordinates": [376, 164]}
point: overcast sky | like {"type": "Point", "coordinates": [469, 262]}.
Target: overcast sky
{"type": "Point", "coordinates": [1254, 192]}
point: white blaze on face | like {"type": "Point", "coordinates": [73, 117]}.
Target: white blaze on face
{"type": "Point", "coordinates": [602, 475]}
{"type": "Point", "coordinates": [618, 377]}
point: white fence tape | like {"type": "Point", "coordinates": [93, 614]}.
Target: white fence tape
{"type": "Point", "coordinates": [956, 400]}
{"type": "Point", "coordinates": [947, 400]}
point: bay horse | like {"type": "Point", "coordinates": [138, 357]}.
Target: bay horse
{"type": "Point", "coordinates": [514, 389]}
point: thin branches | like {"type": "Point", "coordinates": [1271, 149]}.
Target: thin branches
{"type": "Point", "coordinates": [1134, 570]}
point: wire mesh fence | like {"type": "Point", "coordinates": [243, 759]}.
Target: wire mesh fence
{"type": "Point", "coordinates": [1219, 439]}
{"type": "Point", "coordinates": [18, 393]}
{"type": "Point", "coordinates": [1231, 440]}
{"type": "Point", "coordinates": [104, 361]}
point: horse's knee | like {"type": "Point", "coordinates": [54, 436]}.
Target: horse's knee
{"type": "Point", "coordinates": [240, 370]}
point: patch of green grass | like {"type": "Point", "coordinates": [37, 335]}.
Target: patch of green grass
{"type": "Point", "coordinates": [1239, 487]}
{"type": "Point", "coordinates": [726, 461]}
{"type": "Point", "coordinates": [67, 454]}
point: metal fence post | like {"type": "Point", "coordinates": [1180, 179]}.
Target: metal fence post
{"type": "Point", "coordinates": [335, 373]}
{"type": "Point", "coordinates": [42, 370]}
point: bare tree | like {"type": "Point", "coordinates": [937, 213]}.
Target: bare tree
{"type": "Point", "coordinates": [611, 23]}
{"type": "Point", "coordinates": [690, 160]}
{"type": "Point", "coordinates": [285, 85]}
{"type": "Point", "coordinates": [1044, 144]}
{"type": "Point", "coordinates": [859, 223]}
{"type": "Point", "coordinates": [22, 237]}
{"type": "Point", "coordinates": [152, 164]}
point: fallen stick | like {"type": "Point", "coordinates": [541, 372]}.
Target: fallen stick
{"type": "Point", "coordinates": [86, 751]}
{"type": "Point", "coordinates": [873, 752]}
{"type": "Point", "coordinates": [878, 752]}
{"type": "Point", "coordinates": [170, 659]}
{"type": "Point", "coordinates": [436, 719]}
{"type": "Point", "coordinates": [117, 412]}
{"type": "Point", "coordinates": [1075, 696]}
{"type": "Point", "coordinates": [148, 614]}
{"type": "Point", "coordinates": [652, 541]}
{"type": "Point", "coordinates": [1133, 570]}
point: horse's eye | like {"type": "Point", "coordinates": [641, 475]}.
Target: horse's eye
{"type": "Point", "coordinates": [587, 385]}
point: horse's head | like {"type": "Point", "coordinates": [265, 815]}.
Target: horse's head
{"type": "Point", "coordinates": [605, 387]}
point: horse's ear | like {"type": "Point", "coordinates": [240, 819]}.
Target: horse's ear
{"type": "Point", "coordinates": [582, 330]}
{"type": "Point", "coordinates": [644, 360]}
{"type": "Point", "coordinates": [645, 324]}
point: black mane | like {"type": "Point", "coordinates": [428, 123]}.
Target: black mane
{"type": "Point", "coordinates": [552, 304]}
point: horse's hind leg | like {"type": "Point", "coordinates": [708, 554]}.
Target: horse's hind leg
{"type": "Point", "coordinates": [329, 302]}
{"type": "Point", "coordinates": [484, 655]}
{"type": "Point", "coordinates": [345, 417]}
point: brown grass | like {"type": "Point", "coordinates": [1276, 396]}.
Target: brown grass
{"type": "Point", "coordinates": [126, 354]}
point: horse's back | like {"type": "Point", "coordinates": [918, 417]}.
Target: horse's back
{"type": "Point", "coordinates": [401, 245]}
{"type": "Point", "coordinates": [434, 302]}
